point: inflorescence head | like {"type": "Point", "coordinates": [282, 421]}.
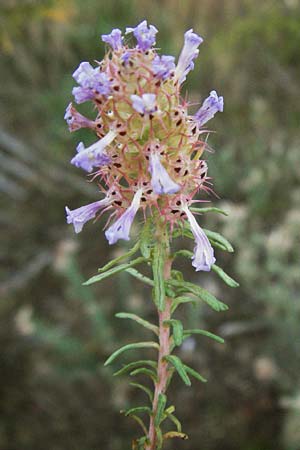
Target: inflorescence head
{"type": "Point", "coordinates": [149, 148]}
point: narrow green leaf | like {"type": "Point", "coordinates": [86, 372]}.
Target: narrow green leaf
{"type": "Point", "coordinates": [139, 320]}
{"type": "Point", "coordinates": [220, 239]}
{"type": "Point", "coordinates": [158, 276]}
{"type": "Point", "coordinates": [175, 421]}
{"type": "Point", "coordinates": [177, 330]}
{"type": "Point", "coordinates": [176, 274]}
{"type": "Point", "coordinates": [159, 438]}
{"type": "Point", "coordinates": [225, 277]}
{"type": "Point", "coordinates": [130, 347]}
{"type": "Point", "coordinates": [115, 261]}
{"type": "Point", "coordinates": [201, 293]}
{"type": "Point", "coordinates": [170, 409]}
{"type": "Point", "coordinates": [142, 370]}
{"type": "Point", "coordinates": [185, 253]}
{"type": "Point", "coordinates": [135, 273]}
{"type": "Point", "coordinates": [182, 299]}
{"type": "Point", "coordinates": [195, 374]}
{"type": "Point", "coordinates": [209, 209]}
{"type": "Point", "coordinates": [161, 404]}
{"type": "Point", "coordinates": [137, 409]}
{"type": "Point", "coordinates": [146, 239]}
{"type": "Point", "coordinates": [179, 366]}
{"type": "Point", "coordinates": [204, 333]}
{"type": "Point", "coordinates": [114, 270]}
{"type": "Point", "coordinates": [140, 422]}
{"type": "Point", "coordinates": [132, 365]}
{"type": "Point", "coordinates": [143, 388]}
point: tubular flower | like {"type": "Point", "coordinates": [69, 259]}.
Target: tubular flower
{"type": "Point", "coordinates": [114, 39]}
{"type": "Point", "coordinates": [149, 148]}
{"type": "Point", "coordinates": [160, 180]}
{"type": "Point", "coordinates": [145, 36]}
{"type": "Point", "coordinates": [75, 120]}
{"type": "Point", "coordinates": [188, 53]}
{"type": "Point", "coordinates": [203, 257]}
{"type": "Point", "coordinates": [211, 105]}
{"type": "Point", "coordinates": [93, 156]}
{"type": "Point", "coordinates": [146, 104]}
{"type": "Point", "coordinates": [92, 82]}
{"type": "Point", "coordinates": [78, 217]}
{"type": "Point", "coordinates": [121, 228]}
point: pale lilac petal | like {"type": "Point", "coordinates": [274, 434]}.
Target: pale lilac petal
{"type": "Point", "coordinates": [91, 82]}
{"type": "Point", "coordinates": [78, 217]}
{"type": "Point", "coordinates": [93, 156]}
{"type": "Point", "coordinates": [188, 53]}
{"type": "Point", "coordinates": [210, 107]}
{"type": "Point", "coordinates": [121, 228]}
{"type": "Point", "coordinates": [144, 35]}
{"type": "Point", "coordinates": [145, 104]}
{"type": "Point", "coordinates": [203, 257]}
{"type": "Point", "coordinates": [114, 39]}
{"type": "Point", "coordinates": [75, 120]}
{"type": "Point", "coordinates": [163, 66]}
{"type": "Point", "coordinates": [160, 179]}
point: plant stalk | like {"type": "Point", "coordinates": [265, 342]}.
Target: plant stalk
{"type": "Point", "coordinates": [164, 350]}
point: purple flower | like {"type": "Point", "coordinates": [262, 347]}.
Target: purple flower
{"type": "Point", "coordinates": [188, 53]}
{"type": "Point", "coordinates": [163, 66]}
{"type": "Point", "coordinates": [121, 228]}
{"type": "Point", "coordinates": [95, 155]}
{"type": "Point", "coordinates": [78, 217]}
{"type": "Point", "coordinates": [91, 81]}
{"type": "Point", "coordinates": [75, 120]}
{"type": "Point", "coordinates": [203, 257]}
{"type": "Point", "coordinates": [160, 179]}
{"type": "Point", "coordinates": [146, 104]}
{"type": "Point", "coordinates": [145, 36]}
{"type": "Point", "coordinates": [211, 105]}
{"type": "Point", "coordinates": [114, 39]}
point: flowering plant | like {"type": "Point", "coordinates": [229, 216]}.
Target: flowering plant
{"type": "Point", "coordinates": [148, 157]}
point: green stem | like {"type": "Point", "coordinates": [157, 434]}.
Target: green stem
{"type": "Point", "coordinates": [164, 314]}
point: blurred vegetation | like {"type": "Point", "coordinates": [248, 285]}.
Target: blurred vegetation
{"type": "Point", "coordinates": [54, 333]}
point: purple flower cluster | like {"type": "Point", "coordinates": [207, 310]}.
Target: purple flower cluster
{"type": "Point", "coordinates": [144, 149]}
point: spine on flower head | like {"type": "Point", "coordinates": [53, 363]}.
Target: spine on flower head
{"type": "Point", "coordinates": [188, 53]}
{"type": "Point", "coordinates": [210, 107]}
{"type": "Point", "coordinates": [203, 257]}
{"type": "Point", "coordinates": [121, 228]}
{"type": "Point", "coordinates": [93, 156]}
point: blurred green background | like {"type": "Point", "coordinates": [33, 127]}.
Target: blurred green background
{"type": "Point", "coordinates": [54, 333]}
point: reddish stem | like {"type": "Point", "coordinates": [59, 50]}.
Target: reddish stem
{"type": "Point", "coordinates": [162, 365]}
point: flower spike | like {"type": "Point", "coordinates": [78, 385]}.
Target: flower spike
{"type": "Point", "coordinates": [203, 257]}
{"type": "Point", "coordinates": [121, 228]}
{"type": "Point", "coordinates": [211, 105]}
